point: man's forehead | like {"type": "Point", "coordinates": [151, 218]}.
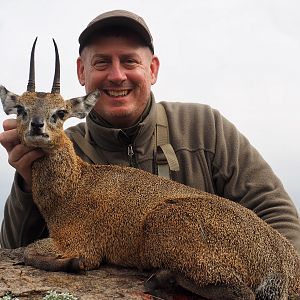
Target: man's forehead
{"type": "Point", "coordinates": [112, 45]}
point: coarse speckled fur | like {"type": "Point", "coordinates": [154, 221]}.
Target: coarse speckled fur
{"type": "Point", "coordinates": [129, 217]}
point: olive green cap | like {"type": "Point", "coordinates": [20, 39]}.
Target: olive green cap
{"type": "Point", "coordinates": [117, 18]}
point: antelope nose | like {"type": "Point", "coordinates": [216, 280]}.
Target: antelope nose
{"type": "Point", "coordinates": [37, 123]}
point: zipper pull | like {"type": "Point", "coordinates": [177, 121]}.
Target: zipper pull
{"type": "Point", "coordinates": [130, 154]}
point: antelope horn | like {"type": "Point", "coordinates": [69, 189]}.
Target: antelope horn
{"type": "Point", "coordinates": [56, 80]}
{"type": "Point", "coordinates": [31, 80]}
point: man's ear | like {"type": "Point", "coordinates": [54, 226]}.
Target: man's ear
{"type": "Point", "coordinates": [80, 71]}
{"type": "Point", "coordinates": [81, 106]}
{"type": "Point", "coordinates": [9, 100]}
{"type": "Point", "coordinates": [154, 67]}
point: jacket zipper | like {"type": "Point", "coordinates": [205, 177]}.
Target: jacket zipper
{"type": "Point", "coordinates": [131, 154]}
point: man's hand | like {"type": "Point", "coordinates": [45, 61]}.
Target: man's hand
{"type": "Point", "coordinates": [19, 156]}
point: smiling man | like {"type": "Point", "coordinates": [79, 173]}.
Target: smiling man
{"type": "Point", "coordinates": [189, 143]}
{"type": "Point", "coordinates": [119, 64]}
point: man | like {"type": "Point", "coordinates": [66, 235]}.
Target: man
{"type": "Point", "coordinates": [200, 147]}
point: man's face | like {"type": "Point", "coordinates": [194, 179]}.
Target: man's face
{"type": "Point", "coordinates": [123, 71]}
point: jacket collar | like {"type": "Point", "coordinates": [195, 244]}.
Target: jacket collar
{"type": "Point", "coordinates": [112, 139]}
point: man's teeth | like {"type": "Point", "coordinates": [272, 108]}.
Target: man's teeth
{"type": "Point", "coordinates": [114, 93]}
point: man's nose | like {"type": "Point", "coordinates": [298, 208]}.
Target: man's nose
{"type": "Point", "coordinates": [116, 73]}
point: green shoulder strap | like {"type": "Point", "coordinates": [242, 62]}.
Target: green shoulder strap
{"type": "Point", "coordinates": [166, 157]}
{"type": "Point", "coordinates": [84, 143]}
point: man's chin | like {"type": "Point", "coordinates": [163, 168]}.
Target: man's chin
{"type": "Point", "coordinates": [120, 118]}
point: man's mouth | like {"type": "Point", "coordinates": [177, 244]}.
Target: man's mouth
{"type": "Point", "coordinates": [117, 93]}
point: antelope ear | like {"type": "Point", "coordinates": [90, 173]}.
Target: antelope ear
{"type": "Point", "coordinates": [81, 106]}
{"type": "Point", "coordinates": [9, 100]}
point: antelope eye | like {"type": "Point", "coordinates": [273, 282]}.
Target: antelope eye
{"type": "Point", "coordinates": [20, 110]}
{"type": "Point", "coordinates": [61, 114]}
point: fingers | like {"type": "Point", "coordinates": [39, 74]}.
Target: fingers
{"type": "Point", "coordinates": [9, 124]}
{"type": "Point", "coordinates": [9, 139]}
{"type": "Point", "coordinates": [19, 156]}
{"type": "Point", "coordinates": [20, 152]}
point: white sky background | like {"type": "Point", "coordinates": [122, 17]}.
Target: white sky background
{"type": "Point", "coordinates": [241, 57]}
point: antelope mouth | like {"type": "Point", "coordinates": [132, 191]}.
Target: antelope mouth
{"type": "Point", "coordinates": [38, 134]}
{"type": "Point", "coordinates": [37, 140]}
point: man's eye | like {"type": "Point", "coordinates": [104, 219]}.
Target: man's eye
{"type": "Point", "coordinates": [130, 62]}
{"type": "Point", "coordinates": [100, 64]}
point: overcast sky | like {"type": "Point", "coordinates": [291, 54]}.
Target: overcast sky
{"type": "Point", "coordinates": [241, 57]}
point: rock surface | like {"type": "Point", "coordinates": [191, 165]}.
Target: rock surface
{"type": "Point", "coordinates": [107, 283]}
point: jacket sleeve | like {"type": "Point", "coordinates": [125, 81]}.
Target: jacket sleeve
{"type": "Point", "coordinates": [241, 174]}
{"type": "Point", "coordinates": [22, 222]}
